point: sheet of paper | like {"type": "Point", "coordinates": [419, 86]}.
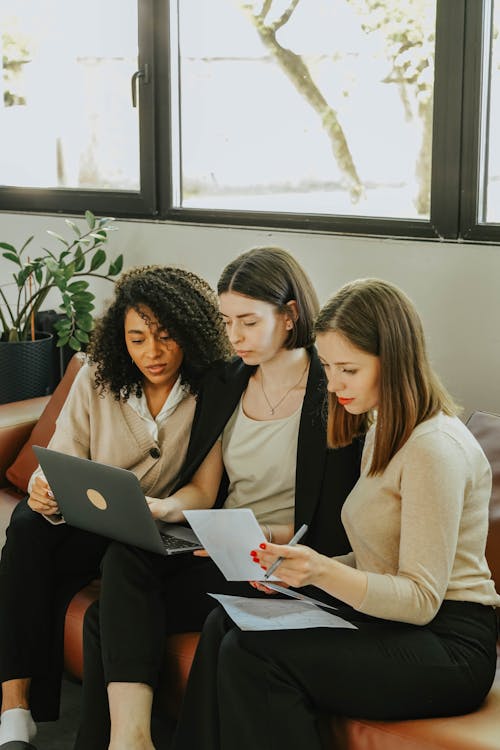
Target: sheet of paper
{"type": "Point", "coordinates": [277, 614]}
{"type": "Point", "coordinates": [228, 535]}
{"type": "Point", "coordinates": [297, 595]}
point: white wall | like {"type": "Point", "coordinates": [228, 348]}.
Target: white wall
{"type": "Point", "coordinates": [455, 286]}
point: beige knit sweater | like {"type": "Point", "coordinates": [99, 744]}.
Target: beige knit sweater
{"type": "Point", "coordinates": [419, 529]}
{"type": "Point", "coordinates": [111, 432]}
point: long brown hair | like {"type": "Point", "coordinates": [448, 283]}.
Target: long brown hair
{"type": "Point", "coordinates": [380, 319]}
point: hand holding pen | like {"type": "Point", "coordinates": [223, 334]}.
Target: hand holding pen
{"type": "Point", "coordinates": [294, 540]}
{"type": "Point", "coordinates": [268, 546]}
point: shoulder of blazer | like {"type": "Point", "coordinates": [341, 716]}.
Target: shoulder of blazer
{"type": "Point", "coordinates": [315, 396]}
{"type": "Point", "coordinates": [219, 394]}
{"type": "Point", "coordinates": [231, 376]}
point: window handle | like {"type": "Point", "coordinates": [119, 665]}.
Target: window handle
{"type": "Point", "coordinates": [141, 73]}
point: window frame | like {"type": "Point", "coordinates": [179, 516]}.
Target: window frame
{"type": "Point", "coordinates": [117, 203]}
{"type": "Point", "coordinates": [476, 94]}
{"type": "Point", "coordinates": [456, 189]}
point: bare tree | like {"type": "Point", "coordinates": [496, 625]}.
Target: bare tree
{"type": "Point", "coordinates": [14, 55]}
{"type": "Point", "coordinates": [296, 69]}
{"type": "Point", "coordinates": [409, 47]}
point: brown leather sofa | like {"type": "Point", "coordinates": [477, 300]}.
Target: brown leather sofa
{"type": "Point", "coordinates": [23, 424]}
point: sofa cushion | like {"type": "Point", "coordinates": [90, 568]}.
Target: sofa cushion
{"type": "Point", "coordinates": [16, 422]}
{"type": "Point", "coordinates": [486, 429]}
{"type": "Point", "coordinates": [73, 628]}
{"type": "Point", "coordinates": [179, 654]}
{"type": "Point", "coordinates": [476, 731]}
{"type": "Point", "coordinates": [25, 464]}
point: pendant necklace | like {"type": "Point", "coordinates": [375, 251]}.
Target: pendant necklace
{"type": "Point", "coordinates": [272, 408]}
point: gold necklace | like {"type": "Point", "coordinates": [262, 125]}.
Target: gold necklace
{"type": "Point", "coordinates": [272, 408]}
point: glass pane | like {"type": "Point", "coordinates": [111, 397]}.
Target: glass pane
{"type": "Point", "coordinates": [65, 108]}
{"type": "Point", "coordinates": [493, 145]}
{"type": "Point", "coordinates": [317, 107]}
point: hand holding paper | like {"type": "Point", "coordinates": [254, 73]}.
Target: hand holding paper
{"type": "Point", "coordinates": [228, 535]}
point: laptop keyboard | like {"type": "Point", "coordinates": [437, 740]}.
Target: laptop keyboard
{"type": "Point", "coordinates": [172, 542]}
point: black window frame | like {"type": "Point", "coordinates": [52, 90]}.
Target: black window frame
{"type": "Point", "coordinates": [122, 203]}
{"type": "Point", "coordinates": [456, 181]}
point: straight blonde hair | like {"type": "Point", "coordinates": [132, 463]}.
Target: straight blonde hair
{"type": "Point", "coordinates": [380, 319]}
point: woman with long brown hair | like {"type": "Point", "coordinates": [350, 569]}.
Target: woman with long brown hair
{"type": "Point", "coordinates": [416, 584]}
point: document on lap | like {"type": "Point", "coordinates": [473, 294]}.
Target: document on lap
{"type": "Point", "coordinates": [278, 614]}
{"type": "Point", "coordinates": [228, 535]}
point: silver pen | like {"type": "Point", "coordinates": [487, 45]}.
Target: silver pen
{"type": "Point", "coordinates": [295, 538]}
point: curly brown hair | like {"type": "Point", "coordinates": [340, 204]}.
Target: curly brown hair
{"type": "Point", "coordinates": [182, 303]}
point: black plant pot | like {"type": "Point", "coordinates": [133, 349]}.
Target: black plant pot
{"type": "Point", "coordinates": [25, 368]}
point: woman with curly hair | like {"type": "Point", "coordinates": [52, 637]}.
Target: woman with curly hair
{"type": "Point", "coordinates": [131, 405]}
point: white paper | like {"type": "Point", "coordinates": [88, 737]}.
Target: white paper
{"type": "Point", "coordinates": [278, 614]}
{"type": "Point", "coordinates": [228, 535]}
{"type": "Point", "coordinates": [297, 595]}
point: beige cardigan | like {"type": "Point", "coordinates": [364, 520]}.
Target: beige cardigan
{"type": "Point", "coordinates": [111, 432]}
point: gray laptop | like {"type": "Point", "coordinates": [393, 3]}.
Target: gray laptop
{"type": "Point", "coordinates": [109, 501]}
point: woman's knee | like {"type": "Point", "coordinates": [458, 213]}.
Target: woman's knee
{"type": "Point", "coordinates": [216, 620]}
{"type": "Point", "coordinates": [232, 655]}
{"type": "Point", "coordinates": [122, 561]}
{"type": "Point", "coordinates": [27, 528]}
{"type": "Point", "coordinates": [116, 557]}
{"type": "Point", "coordinates": [250, 648]}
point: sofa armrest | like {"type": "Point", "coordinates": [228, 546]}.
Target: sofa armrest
{"type": "Point", "coordinates": [17, 419]}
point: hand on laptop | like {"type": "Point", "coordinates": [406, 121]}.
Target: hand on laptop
{"type": "Point", "coordinates": [165, 509]}
{"type": "Point", "coordinates": [41, 499]}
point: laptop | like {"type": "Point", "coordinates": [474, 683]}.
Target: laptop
{"type": "Point", "coordinates": [109, 501]}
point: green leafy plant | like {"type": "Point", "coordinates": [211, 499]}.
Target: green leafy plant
{"type": "Point", "coordinates": [35, 278]}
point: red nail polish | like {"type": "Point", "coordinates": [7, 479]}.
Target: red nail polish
{"type": "Point", "coordinates": [262, 545]}
{"type": "Point", "coordinates": [253, 552]}
{"type": "Point", "coordinates": [263, 567]}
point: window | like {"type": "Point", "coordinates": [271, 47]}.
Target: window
{"type": "Point", "coordinates": [307, 107]}
{"type": "Point", "coordinates": [66, 97]}
{"type": "Point", "coordinates": [364, 116]}
{"type": "Point", "coordinates": [491, 113]}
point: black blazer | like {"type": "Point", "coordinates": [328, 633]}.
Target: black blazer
{"type": "Point", "coordinates": [324, 477]}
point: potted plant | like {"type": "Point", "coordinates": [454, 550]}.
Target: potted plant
{"type": "Point", "coordinates": [64, 271]}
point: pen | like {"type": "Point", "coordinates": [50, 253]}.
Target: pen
{"type": "Point", "coordinates": [295, 538]}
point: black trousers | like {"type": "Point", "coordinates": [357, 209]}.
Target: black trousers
{"type": "Point", "coordinates": [41, 568]}
{"type": "Point", "coordinates": [266, 689]}
{"type": "Point", "coordinates": [144, 597]}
